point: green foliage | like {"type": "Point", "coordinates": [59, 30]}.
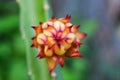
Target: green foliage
{"type": "Point", "coordinates": [18, 70]}
{"type": "Point", "coordinates": [89, 27]}
{"type": "Point", "coordinates": [5, 50]}
{"type": "Point", "coordinates": [31, 13]}
{"type": "Point", "coordinates": [8, 23]}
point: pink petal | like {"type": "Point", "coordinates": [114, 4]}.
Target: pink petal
{"type": "Point", "coordinates": [59, 26]}
{"type": "Point", "coordinates": [41, 39]}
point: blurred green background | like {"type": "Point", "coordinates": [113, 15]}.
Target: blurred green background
{"type": "Point", "coordinates": [100, 19]}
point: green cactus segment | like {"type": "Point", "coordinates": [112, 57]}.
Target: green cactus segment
{"type": "Point", "coordinates": [31, 12]}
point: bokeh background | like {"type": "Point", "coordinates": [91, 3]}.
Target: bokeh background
{"type": "Point", "coordinates": [100, 19]}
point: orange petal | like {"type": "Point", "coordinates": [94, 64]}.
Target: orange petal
{"type": "Point", "coordinates": [65, 32]}
{"type": "Point", "coordinates": [38, 29]}
{"type": "Point", "coordinates": [53, 18]}
{"type": "Point", "coordinates": [51, 62]}
{"type": "Point", "coordinates": [34, 42]}
{"type": "Point", "coordinates": [48, 51]}
{"type": "Point", "coordinates": [81, 35]}
{"type": "Point", "coordinates": [75, 54]}
{"type": "Point", "coordinates": [59, 50]}
{"type": "Point", "coordinates": [41, 55]}
{"type": "Point", "coordinates": [74, 28]}
{"type": "Point", "coordinates": [66, 19]}
{"type": "Point", "coordinates": [61, 60]}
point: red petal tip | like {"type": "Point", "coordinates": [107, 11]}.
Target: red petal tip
{"type": "Point", "coordinates": [53, 17]}
{"type": "Point", "coordinates": [61, 61]}
{"type": "Point", "coordinates": [78, 43]}
{"type": "Point", "coordinates": [40, 55]}
{"type": "Point", "coordinates": [33, 27]}
{"type": "Point", "coordinates": [61, 65]}
{"type": "Point", "coordinates": [40, 23]}
{"type": "Point", "coordinates": [33, 38]}
{"type": "Point", "coordinates": [32, 45]}
{"type": "Point", "coordinates": [68, 16]}
{"type": "Point", "coordinates": [80, 56]}
{"type": "Point", "coordinates": [76, 54]}
{"type": "Point", "coordinates": [85, 35]}
{"type": "Point", "coordinates": [78, 26]}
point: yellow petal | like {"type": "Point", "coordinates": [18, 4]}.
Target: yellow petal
{"type": "Point", "coordinates": [44, 25]}
{"type": "Point", "coordinates": [70, 37]}
{"type": "Point", "coordinates": [47, 33]}
{"type": "Point", "coordinates": [52, 30]}
{"type": "Point", "coordinates": [47, 51]}
{"type": "Point", "coordinates": [41, 39]}
{"type": "Point", "coordinates": [59, 50]}
{"type": "Point", "coordinates": [74, 28]}
{"type": "Point", "coordinates": [51, 63]}
{"type": "Point", "coordinates": [50, 41]}
{"type": "Point", "coordinates": [66, 45]}
{"type": "Point", "coordinates": [59, 26]}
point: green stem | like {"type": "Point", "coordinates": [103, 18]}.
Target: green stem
{"type": "Point", "coordinates": [58, 73]}
{"type": "Point", "coordinates": [29, 12]}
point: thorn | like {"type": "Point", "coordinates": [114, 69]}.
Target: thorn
{"type": "Point", "coordinates": [46, 7]}
{"type": "Point", "coordinates": [68, 16]}
{"type": "Point", "coordinates": [53, 74]}
{"type": "Point", "coordinates": [29, 73]}
{"type": "Point", "coordinates": [23, 37]}
{"type": "Point", "coordinates": [18, 1]}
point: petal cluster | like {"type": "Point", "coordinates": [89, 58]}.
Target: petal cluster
{"type": "Point", "coordinates": [57, 39]}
